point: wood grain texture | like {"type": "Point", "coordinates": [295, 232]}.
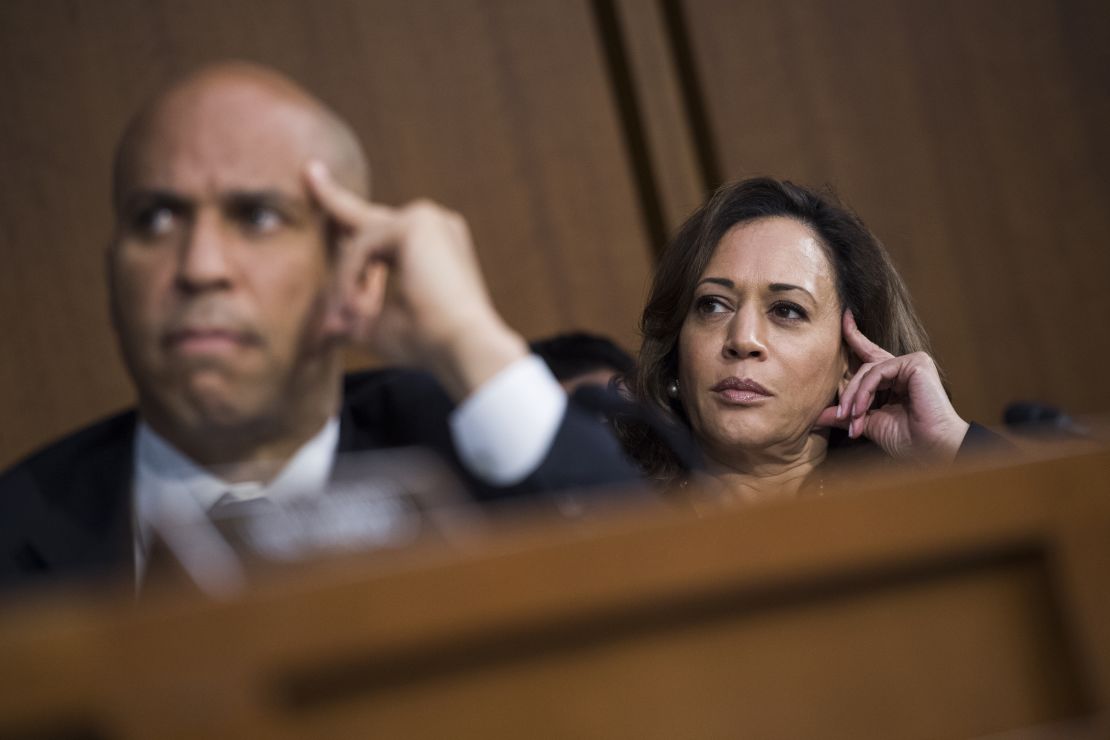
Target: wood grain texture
{"type": "Point", "coordinates": [960, 605]}
{"type": "Point", "coordinates": [658, 89]}
{"type": "Point", "coordinates": [500, 110]}
{"type": "Point", "coordinates": [971, 138]}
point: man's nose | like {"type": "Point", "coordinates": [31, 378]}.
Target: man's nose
{"type": "Point", "coordinates": [746, 337]}
{"type": "Point", "coordinates": [204, 260]}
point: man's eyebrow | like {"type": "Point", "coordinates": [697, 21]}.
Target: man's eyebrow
{"type": "Point", "coordinates": [155, 195]}
{"type": "Point", "coordinates": [783, 287]}
{"type": "Point", "coordinates": [266, 197]}
{"type": "Point", "coordinates": [265, 194]}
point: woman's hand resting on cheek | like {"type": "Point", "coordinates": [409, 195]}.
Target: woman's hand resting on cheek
{"type": "Point", "coordinates": [917, 422]}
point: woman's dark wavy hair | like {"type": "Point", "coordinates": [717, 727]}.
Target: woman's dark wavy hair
{"type": "Point", "coordinates": [866, 282]}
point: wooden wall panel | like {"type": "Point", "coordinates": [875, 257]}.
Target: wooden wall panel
{"type": "Point", "coordinates": [971, 136]}
{"type": "Point", "coordinates": [658, 92]}
{"type": "Point", "coordinates": [497, 108]}
{"type": "Point", "coordinates": [972, 604]}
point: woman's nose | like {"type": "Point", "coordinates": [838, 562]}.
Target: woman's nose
{"type": "Point", "coordinates": [746, 337]}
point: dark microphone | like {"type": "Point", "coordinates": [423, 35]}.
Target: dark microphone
{"type": "Point", "coordinates": [1031, 417]}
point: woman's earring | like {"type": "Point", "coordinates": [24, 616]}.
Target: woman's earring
{"type": "Point", "coordinates": [672, 388]}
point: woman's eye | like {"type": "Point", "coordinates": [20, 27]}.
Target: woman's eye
{"type": "Point", "coordinates": [711, 304]}
{"type": "Point", "coordinates": [788, 311]}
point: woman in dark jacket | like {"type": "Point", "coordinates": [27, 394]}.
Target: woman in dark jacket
{"type": "Point", "coordinates": [778, 331]}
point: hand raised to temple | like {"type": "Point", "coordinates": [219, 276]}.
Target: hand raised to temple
{"type": "Point", "coordinates": [408, 287]}
{"type": "Point", "coordinates": [916, 421]}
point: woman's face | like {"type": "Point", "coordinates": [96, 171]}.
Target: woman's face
{"type": "Point", "coordinates": [760, 350]}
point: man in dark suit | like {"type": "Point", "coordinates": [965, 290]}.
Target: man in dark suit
{"type": "Point", "coordinates": [246, 254]}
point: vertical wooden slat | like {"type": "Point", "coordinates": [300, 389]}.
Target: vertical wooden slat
{"type": "Point", "coordinates": [658, 88]}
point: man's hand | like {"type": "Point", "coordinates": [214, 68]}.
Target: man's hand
{"type": "Point", "coordinates": [408, 287]}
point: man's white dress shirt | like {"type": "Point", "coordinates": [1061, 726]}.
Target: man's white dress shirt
{"type": "Point", "coordinates": [502, 433]}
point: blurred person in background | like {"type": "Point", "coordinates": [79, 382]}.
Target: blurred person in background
{"type": "Point", "coordinates": [246, 255]}
{"type": "Point", "coordinates": [577, 358]}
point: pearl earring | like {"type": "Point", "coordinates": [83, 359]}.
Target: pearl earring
{"type": "Point", "coordinates": [672, 388]}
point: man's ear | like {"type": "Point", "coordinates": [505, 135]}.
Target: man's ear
{"type": "Point", "coordinates": [369, 296]}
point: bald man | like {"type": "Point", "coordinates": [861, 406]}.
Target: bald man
{"type": "Point", "coordinates": [246, 254]}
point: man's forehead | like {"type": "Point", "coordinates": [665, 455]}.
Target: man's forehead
{"type": "Point", "coordinates": [223, 136]}
{"type": "Point", "coordinates": [235, 125]}
{"type": "Point", "coordinates": [200, 161]}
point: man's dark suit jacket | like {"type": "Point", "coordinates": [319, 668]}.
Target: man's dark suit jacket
{"type": "Point", "coordinates": [66, 511]}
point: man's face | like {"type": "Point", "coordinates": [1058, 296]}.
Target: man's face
{"type": "Point", "coordinates": [219, 265]}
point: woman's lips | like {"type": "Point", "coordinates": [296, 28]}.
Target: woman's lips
{"type": "Point", "coordinates": [741, 391]}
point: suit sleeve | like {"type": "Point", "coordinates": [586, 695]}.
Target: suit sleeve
{"type": "Point", "coordinates": [519, 429]}
{"type": "Point", "coordinates": [980, 440]}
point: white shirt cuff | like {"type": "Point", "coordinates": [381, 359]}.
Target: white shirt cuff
{"type": "Point", "coordinates": [504, 430]}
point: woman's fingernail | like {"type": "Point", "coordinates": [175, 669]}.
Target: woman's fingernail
{"type": "Point", "coordinates": [840, 411]}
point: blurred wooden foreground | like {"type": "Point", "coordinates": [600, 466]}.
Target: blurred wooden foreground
{"type": "Point", "coordinates": [969, 605]}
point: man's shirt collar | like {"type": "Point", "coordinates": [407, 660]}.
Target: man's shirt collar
{"type": "Point", "coordinates": [171, 488]}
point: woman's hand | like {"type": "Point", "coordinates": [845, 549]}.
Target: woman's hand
{"type": "Point", "coordinates": [917, 422]}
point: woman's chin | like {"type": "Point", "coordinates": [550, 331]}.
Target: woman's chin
{"type": "Point", "coordinates": [748, 442]}
{"type": "Point", "coordinates": [758, 441]}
